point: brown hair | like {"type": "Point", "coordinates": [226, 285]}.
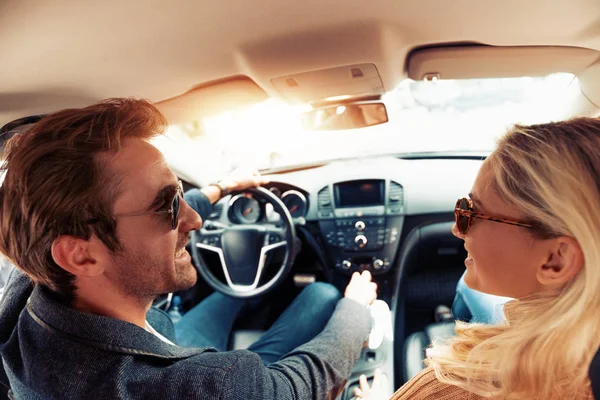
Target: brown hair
{"type": "Point", "coordinates": [56, 182]}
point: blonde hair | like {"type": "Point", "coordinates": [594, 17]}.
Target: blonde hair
{"type": "Point", "coordinates": [551, 174]}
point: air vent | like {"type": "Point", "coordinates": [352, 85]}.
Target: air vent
{"type": "Point", "coordinates": [396, 196]}
{"type": "Point", "coordinates": [324, 203]}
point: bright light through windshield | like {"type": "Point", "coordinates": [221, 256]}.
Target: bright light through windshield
{"type": "Point", "coordinates": [442, 116]}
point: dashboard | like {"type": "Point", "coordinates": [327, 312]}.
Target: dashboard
{"type": "Point", "coordinates": [358, 207]}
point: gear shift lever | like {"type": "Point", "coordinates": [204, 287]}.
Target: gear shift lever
{"type": "Point", "coordinates": [381, 324]}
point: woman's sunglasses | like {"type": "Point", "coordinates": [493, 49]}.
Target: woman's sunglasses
{"type": "Point", "coordinates": [464, 214]}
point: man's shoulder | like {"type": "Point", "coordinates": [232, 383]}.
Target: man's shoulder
{"type": "Point", "coordinates": [107, 373]}
{"type": "Point", "coordinates": [107, 358]}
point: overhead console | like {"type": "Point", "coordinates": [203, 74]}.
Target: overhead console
{"type": "Point", "coordinates": [357, 80]}
{"type": "Point", "coordinates": [361, 221]}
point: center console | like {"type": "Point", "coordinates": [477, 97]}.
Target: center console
{"type": "Point", "coordinates": [361, 221]}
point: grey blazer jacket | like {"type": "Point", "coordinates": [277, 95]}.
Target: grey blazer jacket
{"type": "Point", "coordinates": [51, 351]}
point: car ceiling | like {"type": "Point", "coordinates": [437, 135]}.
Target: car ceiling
{"type": "Point", "coordinates": [66, 53]}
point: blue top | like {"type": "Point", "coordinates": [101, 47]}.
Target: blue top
{"type": "Point", "coordinates": [474, 306]}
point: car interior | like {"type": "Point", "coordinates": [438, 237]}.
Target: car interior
{"type": "Point", "coordinates": [368, 118]}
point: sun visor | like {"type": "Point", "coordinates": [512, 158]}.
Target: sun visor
{"type": "Point", "coordinates": [339, 83]}
{"type": "Point", "coordinates": [470, 62]}
{"type": "Point", "coordinates": [212, 98]}
{"type": "Point", "coordinates": [590, 85]}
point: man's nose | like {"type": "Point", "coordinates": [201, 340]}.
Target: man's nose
{"type": "Point", "coordinates": [189, 219]}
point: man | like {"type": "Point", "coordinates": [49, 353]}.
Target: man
{"type": "Point", "coordinates": [91, 213]}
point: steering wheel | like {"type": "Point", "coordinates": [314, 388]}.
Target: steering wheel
{"type": "Point", "coordinates": [243, 250]}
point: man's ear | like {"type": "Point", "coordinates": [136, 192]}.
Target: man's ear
{"type": "Point", "coordinates": [564, 260]}
{"type": "Point", "coordinates": [76, 256]}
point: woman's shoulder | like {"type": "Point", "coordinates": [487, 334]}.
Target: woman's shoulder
{"type": "Point", "coordinates": [425, 385]}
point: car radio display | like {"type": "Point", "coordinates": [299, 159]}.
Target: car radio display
{"type": "Point", "coordinates": [360, 193]}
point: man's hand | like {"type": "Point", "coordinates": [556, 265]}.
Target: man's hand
{"type": "Point", "coordinates": [361, 288]}
{"type": "Point", "coordinates": [243, 178]}
{"type": "Point", "coordinates": [239, 179]}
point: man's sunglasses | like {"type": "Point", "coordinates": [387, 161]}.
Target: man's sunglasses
{"type": "Point", "coordinates": [464, 214]}
{"type": "Point", "coordinates": [173, 210]}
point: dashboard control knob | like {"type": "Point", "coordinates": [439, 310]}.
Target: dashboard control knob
{"type": "Point", "coordinates": [360, 225]}
{"type": "Point", "coordinates": [360, 240]}
{"type": "Point", "coordinates": [377, 264]}
{"type": "Point", "coordinates": [346, 265]}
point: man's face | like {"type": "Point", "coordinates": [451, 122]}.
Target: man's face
{"type": "Point", "coordinates": [153, 259]}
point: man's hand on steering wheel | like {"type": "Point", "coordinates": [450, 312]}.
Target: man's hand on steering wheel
{"type": "Point", "coordinates": [240, 179]}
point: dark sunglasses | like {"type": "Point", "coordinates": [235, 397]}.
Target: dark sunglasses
{"type": "Point", "coordinates": [464, 214]}
{"type": "Point", "coordinates": [173, 210]}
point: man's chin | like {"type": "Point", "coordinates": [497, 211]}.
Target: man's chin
{"type": "Point", "coordinates": [186, 278]}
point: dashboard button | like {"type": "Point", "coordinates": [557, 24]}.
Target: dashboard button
{"type": "Point", "coordinates": [360, 240]}
{"type": "Point", "coordinates": [377, 264]}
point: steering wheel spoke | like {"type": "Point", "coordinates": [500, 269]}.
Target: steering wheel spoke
{"type": "Point", "coordinates": [274, 235]}
{"type": "Point", "coordinates": [211, 240]}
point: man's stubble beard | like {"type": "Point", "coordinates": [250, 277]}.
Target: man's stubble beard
{"type": "Point", "coordinates": [144, 278]}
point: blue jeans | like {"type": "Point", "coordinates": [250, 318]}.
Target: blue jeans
{"type": "Point", "coordinates": [209, 324]}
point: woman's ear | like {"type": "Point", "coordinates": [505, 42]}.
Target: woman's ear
{"type": "Point", "coordinates": [563, 262]}
{"type": "Point", "coordinates": [76, 256]}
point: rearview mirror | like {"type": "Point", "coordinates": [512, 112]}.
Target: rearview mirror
{"type": "Point", "coordinates": [345, 116]}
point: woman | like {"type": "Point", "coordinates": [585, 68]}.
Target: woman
{"type": "Point", "coordinates": [531, 227]}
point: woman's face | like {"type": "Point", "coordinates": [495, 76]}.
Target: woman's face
{"type": "Point", "coordinates": [503, 259]}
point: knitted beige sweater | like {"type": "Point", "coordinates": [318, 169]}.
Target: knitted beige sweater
{"type": "Point", "coordinates": [425, 386]}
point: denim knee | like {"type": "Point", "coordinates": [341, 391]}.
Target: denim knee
{"type": "Point", "coordinates": [323, 293]}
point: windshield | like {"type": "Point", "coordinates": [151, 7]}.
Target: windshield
{"type": "Point", "coordinates": [433, 116]}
